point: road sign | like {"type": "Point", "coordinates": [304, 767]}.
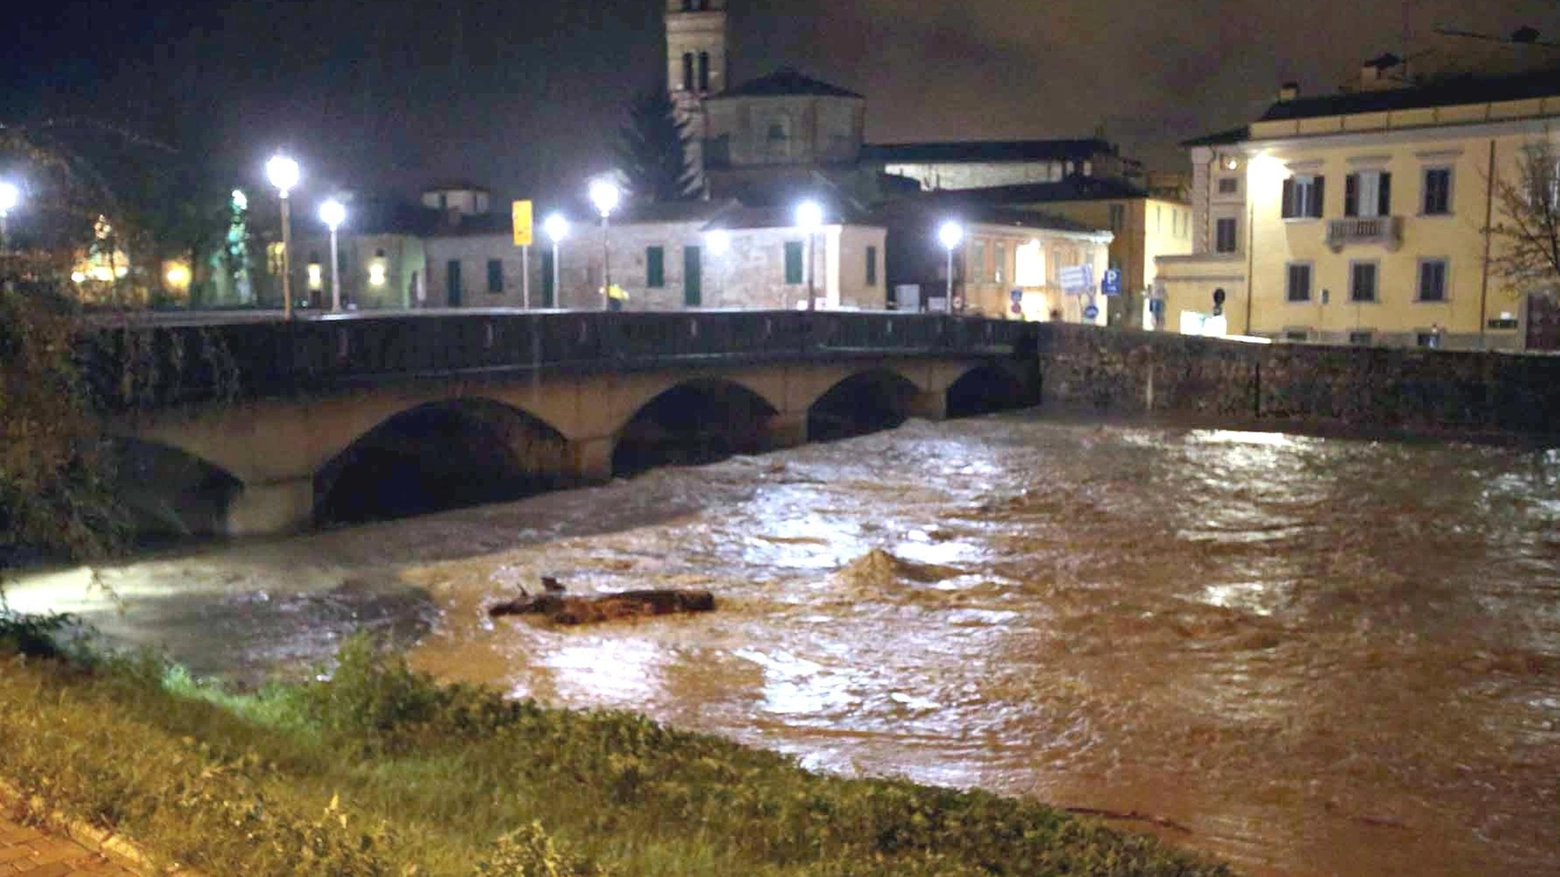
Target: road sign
{"type": "Point", "coordinates": [1091, 312]}
{"type": "Point", "coordinates": [1076, 279]}
{"type": "Point", "coordinates": [522, 216]}
{"type": "Point", "coordinates": [1017, 295]}
{"type": "Point", "coordinates": [1111, 284]}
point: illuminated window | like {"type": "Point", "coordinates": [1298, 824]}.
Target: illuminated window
{"type": "Point", "coordinates": [316, 277]}
{"type": "Point", "coordinates": [273, 258]}
{"type": "Point", "coordinates": [376, 273]}
{"type": "Point", "coordinates": [1368, 193]}
{"type": "Point", "coordinates": [1302, 197]}
{"type": "Point", "coordinates": [1029, 265]}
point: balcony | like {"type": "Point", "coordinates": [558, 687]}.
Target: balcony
{"type": "Point", "coordinates": [1384, 230]}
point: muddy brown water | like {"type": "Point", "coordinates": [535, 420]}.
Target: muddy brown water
{"type": "Point", "coordinates": [1318, 656]}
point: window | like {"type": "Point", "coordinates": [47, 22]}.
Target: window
{"type": "Point", "coordinates": [1299, 288]}
{"type": "Point", "coordinates": [1118, 216]}
{"type": "Point", "coordinates": [1367, 193]}
{"type": "Point", "coordinates": [872, 266]}
{"type": "Point", "coordinates": [452, 281]}
{"type": "Point", "coordinates": [1302, 197]}
{"type": "Point", "coordinates": [1503, 322]}
{"type": "Point", "coordinates": [1297, 335]}
{"type": "Point", "coordinates": [1428, 339]}
{"type": "Point", "coordinates": [1229, 185]}
{"type": "Point", "coordinates": [1362, 281]}
{"type": "Point", "coordinates": [1224, 235]}
{"type": "Point", "coordinates": [777, 130]}
{"type": "Point", "coordinates": [1432, 280]}
{"type": "Point", "coordinates": [793, 262]}
{"type": "Point", "coordinates": [687, 71]}
{"type": "Point", "coordinates": [704, 71]}
{"type": "Point", "coordinates": [1362, 337]}
{"type": "Point", "coordinates": [999, 262]}
{"type": "Point", "coordinates": [495, 276]}
{"type": "Point", "coordinates": [655, 267]}
{"type": "Point", "coordinates": [1438, 191]}
{"type": "Point", "coordinates": [1158, 219]}
{"type": "Point", "coordinates": [978, 262]}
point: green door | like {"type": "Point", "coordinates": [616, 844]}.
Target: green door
{"type": "Point", "coordinates": [693, 277]}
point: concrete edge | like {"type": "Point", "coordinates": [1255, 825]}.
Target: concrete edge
{"type": "Point", "coordinates": [121, 850]}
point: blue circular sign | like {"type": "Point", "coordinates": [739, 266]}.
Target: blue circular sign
{"type": "Point", "coordinates": [1091, 312]}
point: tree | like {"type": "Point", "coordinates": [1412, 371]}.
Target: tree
{"type": "Point", "coordinates": [654, 149]}
{"type": "Point", "coordinates": [1529, 226]}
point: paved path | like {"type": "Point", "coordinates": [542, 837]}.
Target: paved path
{"type": "Point", "coordinates": [29, 851]}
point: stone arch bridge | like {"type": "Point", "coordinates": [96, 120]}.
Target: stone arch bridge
{"type": "Point", "coordinates": [255, 426]}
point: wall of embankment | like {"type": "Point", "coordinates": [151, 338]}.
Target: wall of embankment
{"type": "Point", "coordinates": [1372, 391]}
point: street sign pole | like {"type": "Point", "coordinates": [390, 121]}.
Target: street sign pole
{"type": "Point", "coordinates": [525, 277]}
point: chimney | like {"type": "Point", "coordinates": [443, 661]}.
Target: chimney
{"type": "Point", "coordinates": [1288, 92]}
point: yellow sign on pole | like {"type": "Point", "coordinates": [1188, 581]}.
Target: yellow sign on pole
{"type": "Point", "coordinates": [522, 214]}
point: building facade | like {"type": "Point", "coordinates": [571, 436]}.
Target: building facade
{"type": "Point", "coordinates": [1364, 217]}
{"type": "Point", "coordinates": [986, 164]}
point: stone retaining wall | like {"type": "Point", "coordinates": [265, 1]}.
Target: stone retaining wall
{"type": "Point", "coordinates": [1108, 372]}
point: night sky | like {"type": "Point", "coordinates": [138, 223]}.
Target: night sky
{"type": "Point", "coordinates": [525, 97]}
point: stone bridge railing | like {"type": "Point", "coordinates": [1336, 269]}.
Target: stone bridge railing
{"type": "Point", "coordinates": [150, 360]}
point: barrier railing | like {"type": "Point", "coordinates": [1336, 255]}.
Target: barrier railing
{"type": "Point", "coordinates": [142, 362]}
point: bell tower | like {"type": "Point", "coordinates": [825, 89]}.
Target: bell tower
{"type": "Point", "coordinates": [695, 66]}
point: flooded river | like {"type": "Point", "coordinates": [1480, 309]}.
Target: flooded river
{"type": "Point", "coordinates": [1313, 656]}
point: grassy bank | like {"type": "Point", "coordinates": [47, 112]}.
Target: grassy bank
{"type": "Point", "coordinates": [379, 769]}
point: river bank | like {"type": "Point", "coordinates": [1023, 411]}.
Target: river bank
{"type": "Point", "coordinates": [379, 770]}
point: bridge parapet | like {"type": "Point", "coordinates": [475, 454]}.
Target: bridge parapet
{"type": "Point", "coordinates": [191, 360]}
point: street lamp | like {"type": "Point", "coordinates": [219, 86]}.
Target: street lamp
{"type": "Point", "coordinates": [604, 194]}
{"type": "Point", "coordinates": [10, 196]}
{"type": "Point", "coordinates": [557, 228]}
{"type": "Point", "coordinates": [809, 215]}
{"type": "Point", "coordinates": [333, 214]}
{"type": "Point", "coordinates": [951, 234]}
{"type": "Point", "coordinates": [283, 174]}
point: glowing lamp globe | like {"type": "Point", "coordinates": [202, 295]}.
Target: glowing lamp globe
{"type": "Point", "coordinates": [282, 172]}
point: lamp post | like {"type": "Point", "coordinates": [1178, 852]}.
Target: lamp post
{"type": "Point", "coordinates": [10, 196]}
{"type": "Point", "coordinates": [283, 174]}
{"type": "Point", "coordinates": [557, 228]}
{"type": "Point", "coordinates": [604, 194]}
{"type": "Point", "coordinates": [809, 215]}
{"type": "Point", "coordinates": [951, 234]}
{"type": "Point", "coordinates": [333, 214]}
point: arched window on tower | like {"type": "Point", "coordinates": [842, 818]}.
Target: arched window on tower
{"type": "Point", "coordinates": [704, 71]}
{"type": "Point", "coordinates": [687, 71]}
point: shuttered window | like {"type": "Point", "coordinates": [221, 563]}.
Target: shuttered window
{"type": "Point", "coordinates": [793, 262]}
{"type": "Point", "coordinates": [655, 267]}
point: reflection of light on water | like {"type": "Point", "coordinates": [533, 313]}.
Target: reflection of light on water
{"type": "Point", "coordinates": [1251, 596]}
{"type": "Point", "coordinates": [1235, 437]}
{"type": "Point", "coordinates": [624, 672]}
{"type": "Point", "coordinates": [795, 685]}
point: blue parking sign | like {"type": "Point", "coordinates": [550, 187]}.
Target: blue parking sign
{"type": "Point", "coordinates": [1111, 285]}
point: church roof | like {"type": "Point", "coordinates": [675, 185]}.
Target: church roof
{"type": "Point", "coordinates": [786, 82]}
{"type": "Point", "coordinates": [965, 151]}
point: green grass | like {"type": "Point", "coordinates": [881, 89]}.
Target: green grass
{"type": "Point", "coordinates": [380, 770]}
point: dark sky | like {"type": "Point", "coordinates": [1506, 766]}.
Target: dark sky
{"type": "Point", "coordinates": [525, 96]}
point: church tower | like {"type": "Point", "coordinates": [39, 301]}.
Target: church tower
{"type": "Point", "coordinates": [695, 66]}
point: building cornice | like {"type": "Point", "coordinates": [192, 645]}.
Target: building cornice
{"type": "Point", "coordinates": [1381, 136]}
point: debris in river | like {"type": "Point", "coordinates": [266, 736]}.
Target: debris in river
{"type": "Point", "coordinates": [607, 607]}
{"type": "Point", "coordinates": [551, 585]}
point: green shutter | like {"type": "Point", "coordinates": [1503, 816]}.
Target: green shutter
{"type": "Point", "coordinates": [655, 267]}
{"type": "Point", "coordinates": [872, 266]}
{"type": "Point", "coordinates": [693, 277]}
{"type": "Point", "coordinates": [793, 262]}
{"type": "Point", "coordinates": [495, 276]}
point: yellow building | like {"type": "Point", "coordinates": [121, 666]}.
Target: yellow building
{"type": "Point", "coordinates": [1361, 217]}
{"type": "Point", "coordinates": [1144, 228]}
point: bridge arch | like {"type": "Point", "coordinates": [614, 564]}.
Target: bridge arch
{"type": "Point", "coordinates": [167, 491]}
{"type": "Point", "coordinates": [866, 401]}
{"type": "Point", "coordinates": [695, 421]}
{"type": "Point", "coordinates": [440, 454]}
{"type": "Point", "coordinates": [990, 387]}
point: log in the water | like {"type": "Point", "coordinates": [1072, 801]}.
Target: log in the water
{"type": "Point", "coordinates": [561, 609]}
